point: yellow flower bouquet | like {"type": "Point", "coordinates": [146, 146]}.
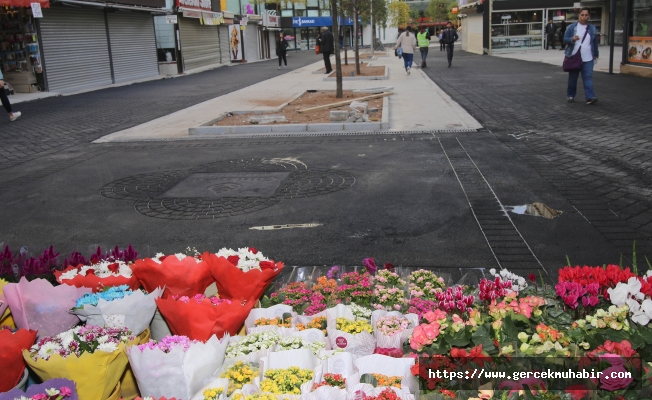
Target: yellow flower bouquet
{"type": "Point", "coordinates": [350, 335]}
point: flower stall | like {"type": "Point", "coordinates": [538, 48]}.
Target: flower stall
{"type": "Point", "coordinates": [81, 330]}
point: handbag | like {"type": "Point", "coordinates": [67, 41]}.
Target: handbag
{"type": "Point", "coordinates": [316, 49]}
{"type": "Point", "coordinates": [574, 62]}
{"type": "Point", "coordinates": [399, 51]}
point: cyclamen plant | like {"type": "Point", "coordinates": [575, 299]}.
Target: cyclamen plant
{"type": "Point", "coordinates": [518, 282]}
{"type": "Point", "coordinates": [83, 339]}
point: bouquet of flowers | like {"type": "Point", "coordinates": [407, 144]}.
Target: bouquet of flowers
{"type": "Point", "coordinates": [384, 372]}
{"type": "Point", "coordinates": [389, 299]}
{"type": "Point", "coordinates": [179, 274]}
{"type": "Point", "coordinates": [215, 390]}
{"type": "Point", "coordinates": [238, 375]}
{"type": "Point", "coordinates": [5, 313]}
{"type": "Point", "coordinates": [251, 347]}
{"type": "Point", "coordinates": [389, 331]}
{"type": "Point", "coordinates": [242, 275]}
{"type": "Point", "coordinates": [91, 356]}
{"type": "Point", "coordinates": [39, 306]}
{"type": "Point", "coordinates": [360, 313]}
{"type": "Point", "coordinates": [293, 343]}
{"type": "Point", "coordinates": [285, 380]}
{"type": "Point", "coordinates": [118, 307]}
{"type": "Point", "coordinates": [176, 366]}
{"type": "Point", "coordinates": [352, 336]}
{"type": "Point", "coordinates": [12, 364]}
{"type": "Point", "coordinates": [54, 389]}
{"type": "Point", "coordinates": [200, 317]}
{"type": "Point", "coordinates": [112, 269]}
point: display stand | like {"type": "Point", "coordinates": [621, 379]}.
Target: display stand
{"type": "Point", "coordinates": [19, 49]}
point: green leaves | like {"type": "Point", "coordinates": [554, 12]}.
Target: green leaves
{"type": "Point", "coordinates": [370, 379]}
{"type": "Point", "coordinates": [482, 337]}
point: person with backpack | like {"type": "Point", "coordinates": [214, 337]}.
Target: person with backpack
{"type": "Point", "coordinates": [405, 46]}
{"type": "Point", "coordinates": [423, 40]}
{"type": "Point", "coordinates": [13, 115]}
{"type": "Point", "coordinates": [282, 50]}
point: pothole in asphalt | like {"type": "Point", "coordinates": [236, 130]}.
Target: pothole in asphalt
{"type": "Point", "coordinates": [536, 210]}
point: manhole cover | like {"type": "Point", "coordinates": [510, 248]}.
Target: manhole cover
{"type": "Point", "coordinates": [225, 188]}
{"type": "Point", "coordinates": [536, 210]}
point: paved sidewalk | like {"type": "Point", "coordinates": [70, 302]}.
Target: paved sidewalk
{"type": "Point", "coordinates": [418, 104]}
{"type": "Point", "coordinates": [556, 57]}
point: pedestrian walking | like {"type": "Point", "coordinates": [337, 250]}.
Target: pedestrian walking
{"type": "Point", "coordinates": [407, 42]}
{"type": "Point", "coordinates": [582, 37]}
{"type": "Point", "coordinates": [13, 115]}
{"type": "Point", "coordinates": [442, 45]}
{"type": "Point", "coordinates": [326, 48]}
{"type": "Point", "coordinates": [423, 40]}
{"type": "Point", "coordinates": [551, 29]}
{"type": "Point", "coordinates": [562, 32]}
{"type": "Point", "coordinates": [282, 50]}
{"type": "Point", "coordinates": [450, 37]}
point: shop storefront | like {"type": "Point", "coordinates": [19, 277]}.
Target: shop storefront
{"type": "Point", "coordinates": [21, 51]}
{"type": "Point", "coordinates": [304, 30]}
{"type": "Point", "coordinates": [85, 47]}
{"type": "Point", "coordinates": [198, 36]}
{"type": "Point", "coordinates": [637, 52]}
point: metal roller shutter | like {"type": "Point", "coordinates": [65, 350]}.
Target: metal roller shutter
{"type": "Point", "coordinates": [200, 44]}
{"type": "Point", "coordinates": [224, 44]}
{"type": "Point", "coordinates": [75, 49]}
{"type": "Point", "coordinates": [133, 45]}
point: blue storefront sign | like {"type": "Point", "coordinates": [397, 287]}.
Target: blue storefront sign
{"type": "Point", "coordinates": [305, 22]}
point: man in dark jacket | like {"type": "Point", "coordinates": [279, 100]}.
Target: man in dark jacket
{"type": "Point", "coordinates": [551, 29]}
{"type": "Point", "coordinates": [327, 47]}
{"type": "Point", "coordinates": [449, 38]}
{"type": "Point", "coordinates": [562, 32]}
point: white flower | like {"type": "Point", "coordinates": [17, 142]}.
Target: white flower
{"type": "Point", "coordinates": [109, 347]}
{"type": "Point", "coordinates": [52, 392]}
{"type": "Point", "coordinates": [492, 272]}
{"type": "Point", "coordinates": [180, 256]}
{"type": "Point", "coordinates": [66, 338]}
{"type": "Point", "coordinates": [69, 275]}
{"type": "Point", "coordinates": [643, 313]}
{"type": "Point", "coordinates": [622, 291]}
{"type": "Point", "coordinates": [48, 349]}
{"type": "Point", "coordinates": [102, 339]}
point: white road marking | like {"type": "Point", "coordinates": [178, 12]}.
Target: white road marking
{"type": "Point", "coordinates": [285, 226]}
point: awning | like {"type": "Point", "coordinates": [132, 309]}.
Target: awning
{"type": "Point", "coordinates": [24, 3]}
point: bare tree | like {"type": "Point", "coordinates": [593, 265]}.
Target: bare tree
{"type": "Point", "coordinates": [336, 43]}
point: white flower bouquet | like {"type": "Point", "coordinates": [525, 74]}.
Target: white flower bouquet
{"type": "Point", "coordinates": [176, 366]}
{"type": "Point", "coordinates": [252, 347]}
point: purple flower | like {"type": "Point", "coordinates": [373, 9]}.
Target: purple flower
{"type": "Point", "coordinates": [333, 272]}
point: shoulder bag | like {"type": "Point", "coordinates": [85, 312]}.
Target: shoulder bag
{"type": "Point", "coordinates": [574, 62]}
{"type": "Point", "coordinates": [316, 49]}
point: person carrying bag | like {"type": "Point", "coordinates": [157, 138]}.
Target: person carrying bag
{"type": "Point", "coordinates": [581, 54]}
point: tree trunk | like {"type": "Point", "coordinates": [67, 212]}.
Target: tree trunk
{"type": "Point", "coordinates": [346, 49]}
{"type": "Point", "coordinates": [355, 37]}
{"type": "Point", "coordinates": [338, 59]}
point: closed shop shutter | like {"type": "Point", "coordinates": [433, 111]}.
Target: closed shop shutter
{"type": "Point", "coordinates": [200, 44]}
{"type": "Point", "coordinates": [75, 48]}
{"type": "Point", "coordinates": [251, 39]}
{"type": "Point", "coordinates": [224, 43]}
{"type": "Point", "coordinates": [133, 45]}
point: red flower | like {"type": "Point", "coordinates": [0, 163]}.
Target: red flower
{"type": "Point", "coordinates": [233, 260]}
{"type": "Point", "coordinates": [253, 250]}
{"type": "Point", "coordinates": [162, 258]}
{"type": "Point", "coordinates": [577, 392]}
{"type": "Point", "coordinates": [115, 267]}
{"type": "Point", "coordinates": [389, 267]}
{"type": "Point", "coordinates": [267, 265]}
{"type": "Point", "coordinates": [532, 277]}
{"type": "Point", "coordinates": [447, 393]}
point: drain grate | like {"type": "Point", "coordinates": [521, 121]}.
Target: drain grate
{"type": "Point", "coordinates": [536, 209]}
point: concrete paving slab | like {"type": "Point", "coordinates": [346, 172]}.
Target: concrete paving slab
{"type": "Point", "coordinates": [556, 57]}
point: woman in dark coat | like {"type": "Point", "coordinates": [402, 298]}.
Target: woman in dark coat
{"type": "Point", "coordinates": [282, 50]}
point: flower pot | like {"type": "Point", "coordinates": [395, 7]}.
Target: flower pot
{"type": "Point", "coordinates": [159, 328]}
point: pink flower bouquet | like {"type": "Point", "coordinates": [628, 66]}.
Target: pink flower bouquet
{"type": "Point", "coordinates": [39, 306]}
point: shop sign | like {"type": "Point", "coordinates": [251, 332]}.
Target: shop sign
{"type": "Point", "coordinates": [205, 5]}
{"type": "Point", "coordinates": [304, 22]}
{"type": "Point", "coordinates": [191, 14]}
{"type": "Point", "coordinates": [640, 49]}
{"type": "Point", "coordinates": [244, 21]}
{"type": "Point", "coordinates": [171, 19]}
{"type": "Point", "coordinates": [212, 18]}
{"type": "Point", "coordinates": [36, 10]}
{"type": "Point", "coordinates": [270, 19]}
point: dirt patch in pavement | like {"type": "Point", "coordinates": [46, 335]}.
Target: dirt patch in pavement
{"type": "Point", "coordinates": [309, 100]}
{"type": "Point", "coordinates": [365, 70]}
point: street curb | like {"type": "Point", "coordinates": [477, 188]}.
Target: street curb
{"type": "Point", "coordinates": [362, 78]}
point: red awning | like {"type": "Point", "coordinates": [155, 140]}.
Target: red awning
{"type": "Point", "coordinates": [24, 3]}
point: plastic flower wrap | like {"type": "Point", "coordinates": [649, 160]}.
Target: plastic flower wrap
{"type": "Point", "coordinates": [294, 343]}
{"type": "Point", "coordinates": [12, 363]}
{"type": "Point", "coordinates": [276, 318]}
{"type": "Point", "coordinates": [53, 389]}
{"type": "Point", "coordinates": [39, 306]}
{"type": "Point", "coordinates": [285, 380]}
{"type": "Point", "coordinates": [387, 369]}
{"type": "Point", "coordinates": [352, 336]}
{"type": "Point", "coordinates": [118, 307]}
{"type": "Point", "coordinates": [179, 274]}
{"type": "Point", "coordinates": [391, 329]}
{"type": "Point", "coordinates": [176, 366]}
{"type": "Point", "coordinates": [93, 357]}
{"type": "Point", "coordinates": [200, 317]}
{"type": "Point", "coordinates": [297, 363]}
{"type": "Point", "coordinates": [234, 282]}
